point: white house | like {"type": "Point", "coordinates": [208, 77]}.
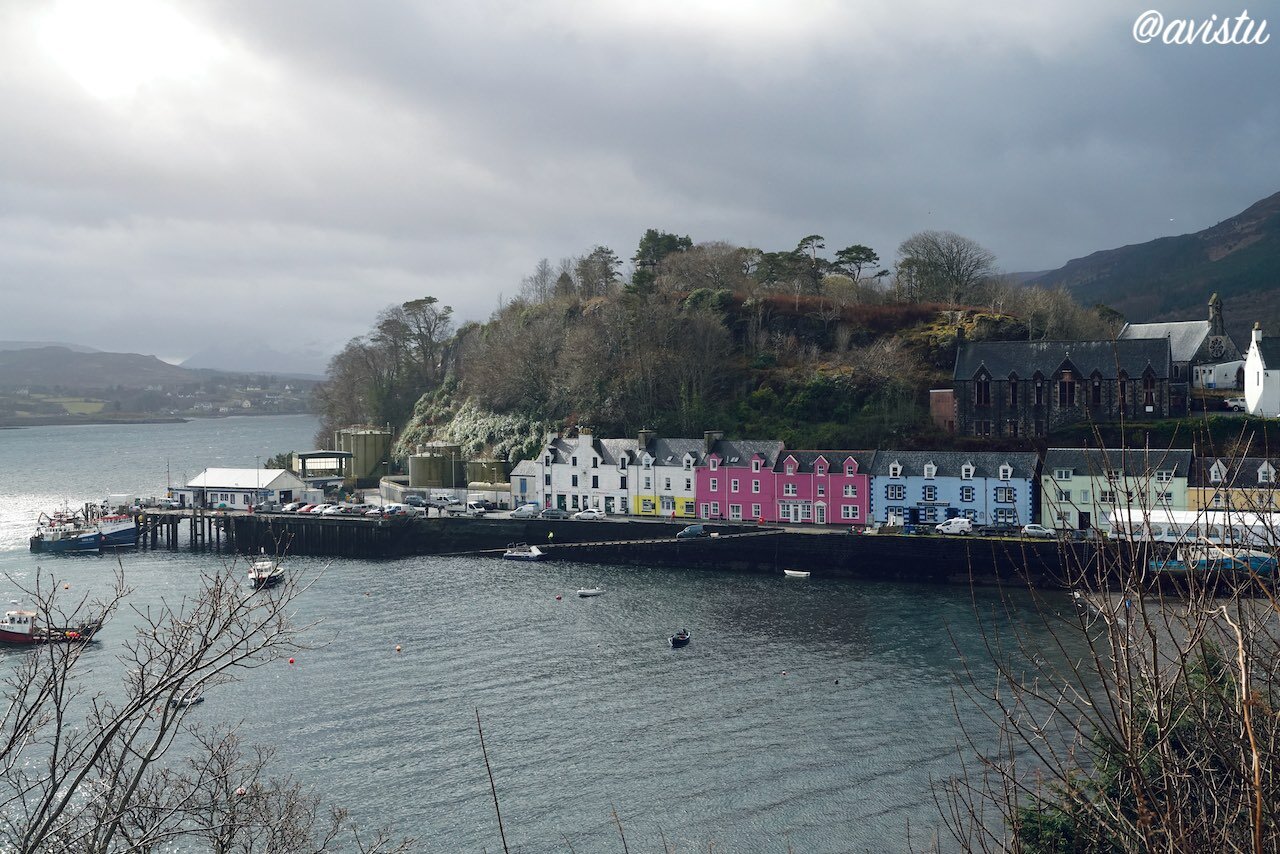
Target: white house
{"type": "Point", "coordinates": [1262, 375]}
{"type": "Point", "coordinates": [241, 488]}
{"type": "Point", "coordinates": [1222, 375]}
{"type": "Point", "coordinates": [584, 472]}
{"type": "Point", "coordinates": [526, 483]}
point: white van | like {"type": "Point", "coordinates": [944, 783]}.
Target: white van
{"type": "Point", "coordinates": [471, 508]}
{"type": "Point", "coordinates": [958, 525]}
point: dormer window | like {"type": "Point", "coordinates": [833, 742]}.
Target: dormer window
{"type": "Point", "coordinates": [1006, 472]}
{"type": "Point", "coordinates": [930, 470]}
{"type": "Point", "coordinates": [1266, 474]}
{"type": "Point", "coordinates": [648, 462]}
{"type": "Point", "coordinates": [966, 472]}
{"type": "Point", "coordinates": [1062, 474]}
{"type": "Point", "coordinates": [895, 470]}
{"type": "Point", "coordinates": [755, 465]}
{"type": "Point", "coordinates": [715, 464]}
{"type": "Point", "coordinates": [546, 461]}
{"type": "Point", "coordinates": [573, 461]}
{"type": "Point", "coordinates": [849, 470]}
{"type": "Point", "coordinates": [1217, 472]}
{"type": "Point", "coordinates": [622, 463]}
{"type": "Point", "coordinates": [688, 463]}
{"type": "Point", "coordinates": [820, 469]}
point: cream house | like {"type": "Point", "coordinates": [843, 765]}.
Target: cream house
{"type": "Point", "coordinates": [1079, 487]}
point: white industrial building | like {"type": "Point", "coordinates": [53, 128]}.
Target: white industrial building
{"type": "Point", "coordinates": [241, 488]}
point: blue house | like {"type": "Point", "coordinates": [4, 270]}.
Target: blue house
{"type": "Point", "coordinates": [927, 487]}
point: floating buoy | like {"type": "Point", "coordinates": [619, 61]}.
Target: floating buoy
{"type": "Point", "coordinates": [557, 597]}
{"type": "Point", "coordinates": [784, 673]}
{"type": "Point", "coordinates": [397, 647]}
{"type": "Point", "coordinates": [242, 790]}
{"type": "Point", "coordinates": [66, 587]}
{"type": "Point", "coordinates": [291, 661]}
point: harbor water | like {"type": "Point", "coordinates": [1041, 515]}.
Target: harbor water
{"type": "Point", "coordinates": [806, 714]}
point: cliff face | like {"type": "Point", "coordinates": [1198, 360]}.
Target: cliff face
{"type": "Point", "coordinates": [1172, 278]}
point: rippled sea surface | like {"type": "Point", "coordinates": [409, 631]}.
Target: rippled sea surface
{"type": "Point", "coordinates": [809, 715]}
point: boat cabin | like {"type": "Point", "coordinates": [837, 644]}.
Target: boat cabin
{"type": "Point", "coordinates": [19, 622]}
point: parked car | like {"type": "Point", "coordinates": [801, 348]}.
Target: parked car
{"type": "Point", "coordinates": [415, 501]}
{"type": "Point", "coordinates": [589, 515]}
{"type": "Point", "coordinates": [332, 510]}
{"type": "Point", "coordinates": [959, 526]}
{"type": "Point", "coordinates": [318, 509]}
{"type": "Point", "coordinates": [554, 513]}
{"type": "Point", "coordinates": [1235, 404]}
{"type": "Point", "coordinates": [168, 504]}
{"type": "Point", "coordinates": [293, 507]}
{"type": "Point", "coordinates": [1034, 530]}
{"type": "Point", "coordinates": [526, 511]}
{"type": "Point", "coordinates": [267, 507]}
{"type": "Point", "coordinates": [305, 508]}
{"type": "Point", "coordinates": [692, 532]}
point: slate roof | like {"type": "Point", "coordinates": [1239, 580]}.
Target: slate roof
{"type": "Point", "coordinates": [1136, 463]}
{"type": "Point", "coordinates": [1269, 350]}
{"type": "Point", "coordinates": [525, 468]}
{"type": "Point", "coordinates": [1024, 358]}
{"type": "Point", "coordinates": [1185, 336]}
{"type": "Point", "coordinates": [560, 450]}
{"type": "Point", "coordinates": [949, 463]}
{"type": "Point", "coordinates": [613, 450]}
{"type": "Point", "coordinates": [738, 452]}
{"type": "Point", "coordinates": [806, 459]}
{"type": "Point", "coordinates": [670, 452]}
{"type": "Point", "coordinates": [1239, 473]}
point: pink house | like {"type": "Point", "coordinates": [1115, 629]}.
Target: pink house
{"type": "Point", "coordinates": [823, 487]}
{"type": "Point", "coordinates": [735, 479]}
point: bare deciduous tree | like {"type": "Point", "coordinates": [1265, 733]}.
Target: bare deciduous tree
{"type": "Point", "coordinates": [100, 773]}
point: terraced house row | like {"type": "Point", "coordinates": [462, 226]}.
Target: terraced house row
{"type": "Point", "coordinates": [714, 478]}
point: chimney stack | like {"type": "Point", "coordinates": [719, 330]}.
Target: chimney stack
{"type": "Point", "coordinates": [1257, 332]}
{"type": "Point", "coordinates": [709, 438]}
{"type": "Point", "coordinates": [643, 438]}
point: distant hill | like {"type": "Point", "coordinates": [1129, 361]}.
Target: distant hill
{"type": "Point", "coordinates": [258, 358]}
{"type": "Point", "coordinates": [1172, 278]}
{"type": "Point", "coordinates": [61, 366]}
{"type": "Point", "coordinates": [30, 345]}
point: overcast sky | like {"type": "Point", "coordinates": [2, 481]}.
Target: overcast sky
{"type": "Point", "coordinates": [175, 174]}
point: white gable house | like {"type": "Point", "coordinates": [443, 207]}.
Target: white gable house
{"type": "Point", "coordinates": [1262, 375]}
{"type": "Point", "coordinates": [238, 489]}
{"type": "Point", "coordinates": [584, 472]}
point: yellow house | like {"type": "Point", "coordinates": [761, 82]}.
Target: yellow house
{"type": "Point", "coordinates": [1241, 483]}
{"type": "Point", "coordinates": [665, 476]}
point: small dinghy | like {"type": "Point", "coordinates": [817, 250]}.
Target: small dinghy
{"type": "Point", "coordinates": [585, 592]}
{"type": "Point", "coordinates": [187, 700]}
{"type": "Point", "coordinates": [796, 573]}
{"type": "Point", "coordinates": [679, 639]}
{"type": "Point", "coordinates": [523, 551]}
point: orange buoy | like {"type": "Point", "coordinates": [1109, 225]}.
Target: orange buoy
{"type": "Point", "coordinates": [291, 661]}
{"type": "Point", "coordinates": [397, 647]}
{"type": "Point", "coordinates": [66, 587]}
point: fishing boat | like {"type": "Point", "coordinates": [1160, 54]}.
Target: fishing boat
{"type": "Point", "coordinates": [679, 639]}
{"type": "Point", "coordinates": [22, 628]}
{"type": "Point", "coordinates": [265, 572]}
{"type": "Point", "coordinates": [190, 699]}
{"type": "Point", "coordinates": [796, 573]}
{"type": "Point", "coordinates": [1210, 559]}
{"type": "Point", "coordinates": [523, 551]}
{"type": "Point", "coordinates": [65, 531]}
{"type": "Point", "coordinates": [586, 592]}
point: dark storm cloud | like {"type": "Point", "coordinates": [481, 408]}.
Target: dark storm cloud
{"type": "Point", "coordinates": [328, 159]}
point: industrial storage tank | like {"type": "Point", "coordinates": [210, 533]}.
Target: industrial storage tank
{"type": "Point", "coordinates": [438, 466]}
{"type": "Point", "coordinates": [370, 450]}
{"type": "Point", "coordinates": [488, 471]}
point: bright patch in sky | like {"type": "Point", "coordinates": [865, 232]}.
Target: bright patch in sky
{"type": "Point", "coordinates": [114, 49]}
